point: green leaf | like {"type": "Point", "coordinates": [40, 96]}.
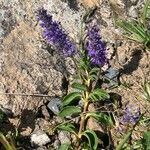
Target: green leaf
{"type": "Point", "coordinates": [71, 97]}
{"type": "Point", "coordinates": [79, 86]}
{"type": "Point", "coordinates": [64, 146]}
{"type": "Point", "coordinates": [94, 70]}
{"type": "Point", "coordinates": [101, 117]}
{"type": "Point", "coordinates": [66, 127]}
{"type": "Point", "coordinates": [146, 90]}
{"type": "Point", "coordinates": [129, 27]}
{"type": "Point", "coordinates": [93, 77]}
{"type": "Point", "coordinates": [145, 11]}
{"type": "Point", "coordinates": [124, 140]}
{"type": "Point", "coordinates": [69, 110]}
{"type": "Point", "coordinates": [92, 138]}
{"type": "Point", "coordinates": [135, 31]}
{"type": "Point", "coordinates": [84, 64]}
{"type": "Point", "coordinates": [5, 143]}
{"type": "Point", "coordinates": [99, 94]}
{"type": "Point", "coordinates": [146, 140]}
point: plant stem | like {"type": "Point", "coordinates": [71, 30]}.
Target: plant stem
{"type": "Point", "coordinates": [83, 118]}
{"type": "Point", "coordinates": [82, 122]}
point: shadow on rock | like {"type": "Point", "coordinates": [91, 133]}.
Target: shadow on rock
{"type": "Point", "coordinates": [27, 120]}
{"type": "Point", "coordinates": [133, 63]}
{"type": "Point", "coordinates": [5, 125]}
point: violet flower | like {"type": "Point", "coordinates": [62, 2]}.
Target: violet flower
{"type": "Point", "coordinates": [131, 115]}
{"type": "Point", "coordinates": [95, 47]}
{"type": "Point", "coordinates": [54, 34]}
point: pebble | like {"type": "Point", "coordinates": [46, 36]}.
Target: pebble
{"type": "Point", "coordinates": [64, 137]}
{"type": "Point", "coordinates": [112, 75]}
{"type": "Point", "coordinates": [133, 12]}
{"type": "Point", "coordinates": [40, 138]}
{"type": "Point", "coordinates": [54, 105]}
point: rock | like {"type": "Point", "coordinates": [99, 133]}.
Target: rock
{"type": "Point", "coordinates": [45, 125]}
{"type": "Point", "coordinates": [27, 69]}
{"type": "Point", "coordinates": [25, 66]}
{"type": "Point", "coordinates": [54, 105]}
{"type": "Point", "coordinates": [133, 12]}
{"type": "Point", "coordinates": [41, 148]}
{"type": "Point", "coordinates": [40, 138]}
{"type": "Point", "coordinates": [56, 144]}
{"type": "Point", "coordinates": [64, 137]}
{"type": "Point", "coordinates": [112, 75]}
{"type": "Point", "coordinates": [71, 20]}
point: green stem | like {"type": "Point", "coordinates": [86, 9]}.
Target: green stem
{"type": "Point", "coordinates": [5, 142]}
{"type": "Point", "coordinates": [85, 108]}
{"type": "Point", "coordinates": [83, 118]}
{"type": "Point", "coordinates": [82, 123]}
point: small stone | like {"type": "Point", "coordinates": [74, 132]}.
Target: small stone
{"type": "Point", "coordinates": [64, 137]}
{"type": "Point", "coordinates": [133, 12]}
{"type": "Point", "coordinates": [112, 75]}
{"type": "Point", "coordinates": [41, 148]}
{"type": "Point", "coordinates": [56, 144]}
{"type": "Point", "coordinates": [54, 105]}
{"type": "Point", "coordinates": [40, 138]}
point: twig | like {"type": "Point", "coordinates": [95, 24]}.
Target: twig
{"type": "Point", "coordinates": [22, 94]}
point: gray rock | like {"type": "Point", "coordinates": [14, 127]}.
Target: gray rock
{"type": "Point", "coordinates": [133, 12]}
{"type": "Point", "coordinates": [64, 137]}
{"type": "Point", "coordinates": [54, 105]}
{"type": "Point", "coordinates": [40, 138]}
{"type": "Point", "coordinates": [112, 75]}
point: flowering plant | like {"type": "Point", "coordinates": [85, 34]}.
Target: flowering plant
{"type": "Point", "coordinates": [92, 56]}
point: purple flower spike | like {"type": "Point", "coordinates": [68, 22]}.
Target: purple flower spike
{"type": "Point", "coordinates": [54, 34]}
{"type": "Point", "coordinates": [95, 47]}
{"type": "Point", "coordinates": [132, 115]}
